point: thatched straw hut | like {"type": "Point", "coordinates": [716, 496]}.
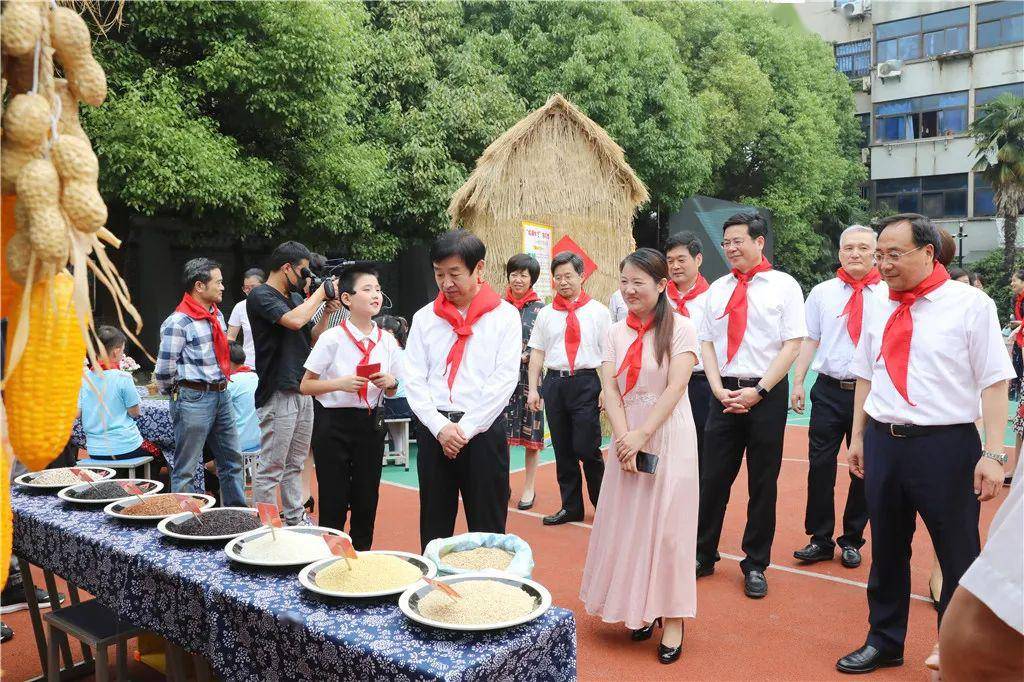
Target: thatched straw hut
{"type": "Point", "coordinates": [555, 167]}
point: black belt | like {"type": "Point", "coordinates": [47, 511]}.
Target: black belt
{"type": "Point", "coordinates": [845, 384]}
{"type": "Point", "coordinates": [913, 430]}
{"type": "Point", "coordinates": [566, 374]}
{"type": "Point", "coordinates": [698, 374]}
{"type": "Point", "coordinates": [453, 417]}
{"type": "Point", "coordinates": [734, 383]}
{"type": "Point", "coordinates": [203, 386]}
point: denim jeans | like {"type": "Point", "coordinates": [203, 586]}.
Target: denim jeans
{"type": "Point", "coordinates": [200, 417]}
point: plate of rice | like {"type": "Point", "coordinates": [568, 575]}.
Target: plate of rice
{"type": "Point", "coordinates": [289, 546]}
{"type": "Point", "coordinates": [153, 507]}
{"type": "Point", "coordinates": [102, 492]}
{"type": "Point", "coordinates": [55, 479]}
{"type": "Point", "coordinates": [489, 601]}
{"type": "Point", "coordinates": [216, 523]}
{"type": "Point", "coordinates": [376, 573]}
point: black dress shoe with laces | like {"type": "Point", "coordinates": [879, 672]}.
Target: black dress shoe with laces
{"type": "Point", "coordinates": [866, 659]}
{"type": "Point", "coordinates": [561, 517]}
{"type": "Point", "coordinates": [850, 557]}
{"type": "Point", "coordinates": [754, 585]}
{"type": "Point", "coordinates": [645, 632]}
{"type": "Point", "coordinates": [814, 552]}
{"type": "Point", "coordinates": [705, 568]}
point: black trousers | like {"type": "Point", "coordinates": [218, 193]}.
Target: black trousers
{"type": "Point", "coordinates": [700, 403]}
{"type": "Point", "coordinates": [574, 419]}
{"type": "Point", "coordinates": [759, 432]}
{"type": "Point", "coordinates": [348, 451]}
{"type": "Point", "coordinates": [930, 475]}
{"type": "Point", "coordinates": [831, 423]}
{"type": "Point", "coordinates": [479, 473]}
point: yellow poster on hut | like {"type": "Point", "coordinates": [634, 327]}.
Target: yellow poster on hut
{"type": "Point", "coordinates": [537, 243]}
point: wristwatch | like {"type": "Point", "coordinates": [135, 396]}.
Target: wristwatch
{"type": "Point", "coordinates": [997, 456]}
{"type": "Point", "coordinates": [762, 392]}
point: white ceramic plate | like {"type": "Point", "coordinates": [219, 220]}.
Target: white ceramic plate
{"type": "Point", "coordinates": [409, 601]}
{"type": "Point", "coordinates": [148, 486]}
{"type": "Point", "coordinates": [167, 525]}
{"type": "Point", "coordinates": [234, 548]}
{"type": "Point", "coordinates": [26, 479]}
{"type": "Point", "coordinates": [117, 508]}
{"type": "Point", "coordinates": [307, 576]}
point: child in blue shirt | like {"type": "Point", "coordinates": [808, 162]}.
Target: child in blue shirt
{"type": "Point", "coordinates": [108, 404]}
{"type": "Point", "coordinates": [242, 389]}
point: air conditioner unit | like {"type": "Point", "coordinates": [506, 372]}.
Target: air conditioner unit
{"type": "Point", "coordinates": [865, 84]}
{"type": "Point", "coordinates": [890, 68]}
{"type": "Point", "coordinates": [854, 9]}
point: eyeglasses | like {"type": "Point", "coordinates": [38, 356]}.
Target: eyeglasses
{"type": "Point", "coordinates": [726, 243]}
{"type": "Point", "coordinates": [856, 248]}
{"type": "Point", "coordinates": [894, 256]}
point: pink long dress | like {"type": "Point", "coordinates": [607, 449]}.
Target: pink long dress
{"type": "Point", "coordinates": [642, 553]}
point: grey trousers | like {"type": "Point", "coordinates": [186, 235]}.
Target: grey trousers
{"type": "Point", "coordinates": [286, 428]}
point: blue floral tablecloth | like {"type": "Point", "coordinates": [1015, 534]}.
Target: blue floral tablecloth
{"type": "Point", "coordinates": [156, 426]}
{"type": "Point", "coordinates": [256, 624]}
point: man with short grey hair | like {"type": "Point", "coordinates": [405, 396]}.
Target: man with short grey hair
{"type": "Point", "coordinates": [835, 315]}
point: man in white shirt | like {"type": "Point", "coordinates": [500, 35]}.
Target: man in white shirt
{"type": "Point", "coordinates": [924, 359]}
{"type": "Point", "coordinates": [835, 317]}
{"type": "Point", "coordinates": [750, 336]}
{"type": "Point", "coordinates": [617, 307]}
{"type": "Point", "coordinates": [460, 367]}
{"type": "Point", "coordinates": [566, 341]}
{"type": "Point", "coordinates": [687, 289]}
{"type": "Point", "coordinates": [239, 320]}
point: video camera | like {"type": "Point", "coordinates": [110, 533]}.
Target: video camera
{"type": "Point", "coordinates": [330, 291]}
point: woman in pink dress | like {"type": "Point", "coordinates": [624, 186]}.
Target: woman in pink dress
{"type": "Point", "coordinates": [641, 560]}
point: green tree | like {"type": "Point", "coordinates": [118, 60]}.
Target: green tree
{"type": "Point", "coordinates": [999, 133]}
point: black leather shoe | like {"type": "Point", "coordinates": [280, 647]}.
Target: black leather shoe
{"type": "Point", "coordinates": [850, 557]}
{"type": "Point", "coordinates": [814, 552]}
{"type": "Point", "coordinates": [705, 568]}
{"type": "Point", "coordinates": [866, 659]}
{"type": "Point", "coordinates": [645, 633]}
{"type": "Point", "coordinates": [561, 517]}
{"type": "Point", "coordinates": [524, 505]}
{"type": "Point", "coordinates": [668, 655]}
{"type": "Point", "coordinates": [754, 585]}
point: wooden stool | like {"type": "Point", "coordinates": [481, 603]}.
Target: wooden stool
{"type": "Point", "coordinates": [96, 626]}
{"type": "Point", "coordinates": [130, 464]}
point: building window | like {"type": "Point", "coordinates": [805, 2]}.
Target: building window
{"type": "Point", "coordinates": [925, 36]}
{"type": "Point", "coordinates": [921, 117]}
{"type": "Point", "coordinates": [865, 130]}
{"type": "Point", "coordinates": [854, 59]}
{"type": "Point", "coordinates": [936, 196]}
{"type": "Point", "coordinates": [983, 96]}
{"type": "Point", "coordinates": [1000, 23]}
{"type": "Point", "coordinates": [984, 197]}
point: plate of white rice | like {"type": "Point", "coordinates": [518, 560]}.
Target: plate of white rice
{"type": "Point", "coordinates": [490, 601]}
{"type": "Point", "coordinates": [375, 573]}
{"type": "Point", "coordinates": [56, 479]}
{"type": "Point", "coordinates": [289, 546]}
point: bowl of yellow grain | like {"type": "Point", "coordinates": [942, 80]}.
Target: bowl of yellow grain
{"type": "Point", "coordinates": [487, 600]}
{"type": "Point", "coordinates": [374, 573]}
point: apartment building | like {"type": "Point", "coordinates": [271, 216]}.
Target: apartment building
{"type": "Point", "coordinates": [919, 71]}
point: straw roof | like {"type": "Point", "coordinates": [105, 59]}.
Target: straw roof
{"type": "Point", "coordinates": [558, 167]}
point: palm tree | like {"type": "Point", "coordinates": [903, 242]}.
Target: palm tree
{"type": "Point", "coordinates": [998, 130]}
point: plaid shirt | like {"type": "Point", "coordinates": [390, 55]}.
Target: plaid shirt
{"type": "Point", "coordinates": [186, 352]}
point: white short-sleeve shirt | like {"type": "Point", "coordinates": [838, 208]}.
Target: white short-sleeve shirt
{"type": "Point", "coordinates": [549, 335]}
{"type": "Point", "coordinates": [775, 314]}
{"type": "Point", "coordinates": [956, 352]}
{"type": "Point", "coordinates": [826, 324]}
{"type": "Point", "coordinates": [617, 307]}
{"type": "Point", "coordinates": [697, 310]}
{"type": "Point", "coordinates": [240, 318]}
{"type": "Point", "coordinates": [335, 356]}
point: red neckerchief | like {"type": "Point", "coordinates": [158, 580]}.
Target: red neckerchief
{"type": "Point", "coordinates": [698, 288]}
{"type": "Point", "coordinates": [634, 357]}
{"type": "Point", "coordinates": [190, 306]}
{"type": "Point", "coordinates": [572, 324]}
{"type": "Point", "coordinates": [365, 359]}
{"type": "Point", "coordinates": [520, 303]}
{"type": "Point", "coordinates": [104, 365]}
{"type": "Point", "coordinates": [241, 369]}
{"type": "Point", "coordinates": [736, 308]}
{"type": "Point", "coordinates": [484, 302]}
{"type": "Point", "coordinates": [854, 309]}
{"type": "Point", "coordinates": [1018, 314]}
{"type": "Point", "coordinates": [899, 330]}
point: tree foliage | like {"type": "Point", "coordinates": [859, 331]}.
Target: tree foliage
{"type": "Point", "coordinates": [350, 125]}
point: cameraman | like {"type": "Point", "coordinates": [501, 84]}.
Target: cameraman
{"type": "Point", "coordinates": [280, 315]}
